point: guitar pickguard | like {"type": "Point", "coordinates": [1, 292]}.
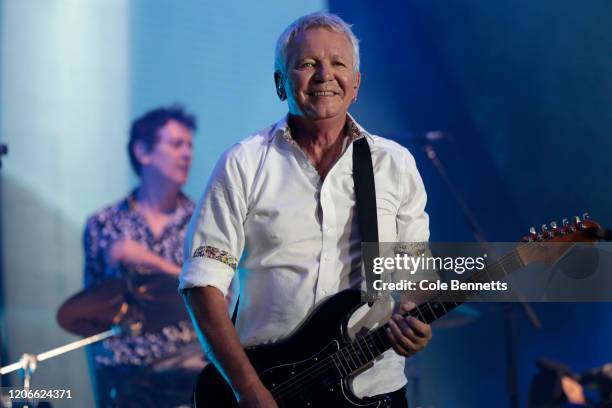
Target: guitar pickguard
{"type": "Point", "coordinates": [306, 383]}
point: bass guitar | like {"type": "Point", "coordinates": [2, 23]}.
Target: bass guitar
{"type": "Point", "coordinates": [313, 367]}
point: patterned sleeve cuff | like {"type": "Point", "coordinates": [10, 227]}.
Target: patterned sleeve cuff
{"type": "Point", "coordinates": [205, 271]}
{"type": "Point", "coordinates": [220, 255]}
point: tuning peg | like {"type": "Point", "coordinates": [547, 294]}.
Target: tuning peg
{"type": "Point", "coordinates": [533, 235]}
{"type": "Point", "coordinates": [545, 233]}
{"type": "Point", "coordinates": [577, 219]}
{"type": "Point", "coordinates": [554, 230]}
{"type": "Point", "coordinates": [559, 230]}
{"type": "Point", "coordinates": [586, 216]}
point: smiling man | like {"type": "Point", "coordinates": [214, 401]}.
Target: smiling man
{"type": "Point", "coordinates": [280, 210]}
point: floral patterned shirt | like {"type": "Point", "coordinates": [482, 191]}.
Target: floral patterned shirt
{"type": "Point", "coordinates": [116, 222]}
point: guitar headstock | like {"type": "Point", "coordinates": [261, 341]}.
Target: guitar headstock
{"type": "Point", "coordinates": [553, 240]}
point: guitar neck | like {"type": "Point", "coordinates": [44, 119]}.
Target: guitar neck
{"type": "Point", "coordinates": [366, 348]}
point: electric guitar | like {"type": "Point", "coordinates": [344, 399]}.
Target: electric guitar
{"type": "Point", "coordinates": [312, 367]}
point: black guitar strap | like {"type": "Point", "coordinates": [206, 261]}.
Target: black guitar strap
{"type": "Point", "coordinates": [365, 198]}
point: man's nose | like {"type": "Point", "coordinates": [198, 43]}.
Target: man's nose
{"type": "Point", "coordinates": [187, 151]}
{"type": "Point", "coordinates": [324, 73]}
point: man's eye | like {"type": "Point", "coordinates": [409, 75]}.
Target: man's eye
{"type": "Point", "coordinates": [307, 64]}
{"type": "Point", "coordinates": [339, 63]}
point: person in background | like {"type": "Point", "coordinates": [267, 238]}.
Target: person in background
{"type": "Point", "coordinates": [143, 233]}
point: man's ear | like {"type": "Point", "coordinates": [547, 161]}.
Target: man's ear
{"type": "Point", "coordinates": [141, 152]}
{"type": "Point", "coordinates": [280, 88]}
{"type": "Point", "coordinates": [357, 83]}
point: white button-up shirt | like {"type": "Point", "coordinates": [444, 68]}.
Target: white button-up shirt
{"type": "Point", "coordinates": [297, 237]}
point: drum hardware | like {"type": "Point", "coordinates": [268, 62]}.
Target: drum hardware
{"type": "Point", "coordinates": [28, 363]}
{"type": "Point", "coordinates": [112, 308]}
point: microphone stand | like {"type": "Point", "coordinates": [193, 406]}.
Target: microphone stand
{"type": "Point", "coordinates": [427, 141]}
{"type": "Point", "coordinates": [470, 219]}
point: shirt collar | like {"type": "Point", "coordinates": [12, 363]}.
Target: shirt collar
{"type": "Point", "coordinates": [281, 129]}
{"type": "Point", "coordinates": [181, 211]}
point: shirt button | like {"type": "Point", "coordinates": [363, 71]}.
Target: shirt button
{"type": "Point", "coordinates": [326, 258]}
{"type": "Point", "coordinates": [304, 166]}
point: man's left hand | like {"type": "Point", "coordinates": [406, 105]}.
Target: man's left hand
{"type": "Point", "coordinates": [407, 335]}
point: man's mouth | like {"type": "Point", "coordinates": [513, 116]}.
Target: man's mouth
{"type": "Point", "coordinates": [322, 93]}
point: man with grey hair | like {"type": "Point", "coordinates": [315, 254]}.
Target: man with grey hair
{"type": "Point", "coordinates": [280, 210]}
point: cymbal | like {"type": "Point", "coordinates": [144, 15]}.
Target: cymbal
{"type": "Point", "coordinates": [151, 301]}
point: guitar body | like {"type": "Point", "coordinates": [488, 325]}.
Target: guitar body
{"type": "Point", "coordinates": [281, 366]}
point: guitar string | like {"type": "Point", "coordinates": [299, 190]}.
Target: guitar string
{"type": "Point", "coordinates": [324, 364]}
{"type": "Point", "coordinates": [310, 381]}
{"type": "Point", "coordinates": [309, 374]}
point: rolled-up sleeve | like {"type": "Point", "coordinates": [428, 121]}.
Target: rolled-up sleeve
{"type": "Point", "coordinates": [215, 239]}
{"type": "Point", "coordinates": [412, 220]}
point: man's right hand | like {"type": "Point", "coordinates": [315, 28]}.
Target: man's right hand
{"type": "Point", "coordinates": [128, 251]}
{"type": "Point", "coordinates": [208, 310]}
{"type": "Point", "coordinates": [133, 253]}
{"type": "Point", "coordinates": [257, 397]}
